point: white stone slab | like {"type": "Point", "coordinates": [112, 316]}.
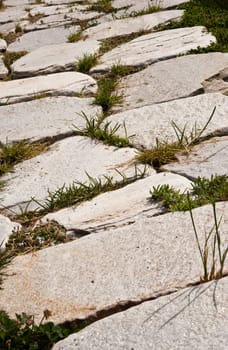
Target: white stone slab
{"type": "Point", "coordinates": [206, 159]}
{"type": "Point", "coordinates": [131, 25]}
{"type": "Point", "coordinates": [53, 58]}
{"type": "Point", "coordinates": [3, 69]}
{"type": "Point", "coordinates": [217, 83]}
{"type": "Point", "coordinates": [117, 207]}
{"type": "Point", "coordinates": [65, 84]}
{"type": "Point", "coordinates": [139, 5]}
{"type": "Point", "coordinates": [146, 258]}
{"type": "Point", "coordinates": [150, 48]}
{"type": "Point", "coordinates": [6, 228]}
{"type": "Point", "coordinates": [49, 117]}
{"type": "Point", "coordinates": [169, 80]}
{"type": "Point", "coordinates": [34, 40]}
{"type": "Point", "coordinates": [155, 121]}
{"type": "Point", "coordinates": [65, 162]}
{"type": "Point", "coordinates": [12, 14]}
{"type": "Point", "coordinates": [3, 45]}
{"type": "Point", "coordinates": [193, 318]}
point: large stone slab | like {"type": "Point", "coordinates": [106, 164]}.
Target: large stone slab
{"type": "Point", "coordinates": [117, 207]}
{"type": "Point", "coordinates": [131, 25]}
{"type": "Point", "coordinates": [12, 14]}
{"type": "Point", "coordinates": [139, 5]}
{"type": "Point", "coordinates": [150, 48]}
{"type": "Point", "coordinates": [171, 79]}
{"type": "Point", "coordinates": [65, 84]}
{"type": "Point", "coordinates": [34, 40]}
{"type": "Point", "coordinates": [148, 123]}
{"type": "Point", "coordinates": [53, 58]}
{"type": "Point", "coordinates": [193, 318]}
{"type": "Point", "coordinates": [49, 117]}
{"type": "Point", "coordinates": [3, 45]}
{"type": "Point", "coordinates": [6, 228]}
{"type": "Point", "coordinates": [206, 159]}
{"type": "Point", "coordinates": [149, 257]}
{"type": "Point", "coordinates": [3, 69]}
{"type": "Point", "coordinates": [66, 161]}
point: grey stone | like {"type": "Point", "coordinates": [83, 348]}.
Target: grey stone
{"type": "Point", "coordinates": [171, 79]}
{"type": "Point", "coordinates": [12, 14]}
{"type": "Point", "coordinates": [139, 5]}
{"type": "Point", "coordinates": [217, 83]}
{"type": "Point", "coordinates": [147, 258]}
{"type": "Point", "coordinates": [34, 40]}
{"type": "Point", "coordinates": [131, 25]}
{"type": "Point", "coordinates": [117, 207]}
{"type": "Point", "coordinates": [66, 161]}
{"type": "Point", "coordinates": [53, 58]}
{"type": "Point", "coordinates": [6, 228]}
{"type": "Point", "coordinates": [208, 158]}
{"type": "Point", "coordinates": [65, 84]}
{"type": "Point", "coordinates": [193, 318]}
{"type": "Point", "coordinates": [3, 69]}
{"type": "Point", "coordinates": [148, 123]}
{"type": "Point", "coordinates": [3, 45]}
{"type": "Point", "coordinates": [150, 48]}
{"type": "Point", "coordinates": [49, 117]}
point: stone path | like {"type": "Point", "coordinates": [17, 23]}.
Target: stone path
{"type": "Point", "coordinates": [127, 252]}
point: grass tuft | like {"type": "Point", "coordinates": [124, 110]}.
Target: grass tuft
{"type": "Point", "coordinates": [106, 97]}
{"type": "Point", "coordinates": [73, 37]}
{"type": "Point", "coordinates": [102, 6]}
{"type": "Point", "coordinates": [10, 57]}
{"type": "Point", "coordinates": [85, 63]}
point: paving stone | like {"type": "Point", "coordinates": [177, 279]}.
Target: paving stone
{"type": "Point", "coordinates": [12, 14]}
{"type": "Point", "coordinates": [150, 48]}
{"type": "Point", "coordinates": [3, 69]}
{"type": "Point", "coordinates": [193, 318]}
{"type": "Point", "coordinates": [144, 259]}
{"type": "Point", "coordinates": [171, 79]}
{"type": "Point", "coordinates": [116, 206]}
{"type": "Point", "coordinates": [50, 10]}
{"type": "Point", "coordinates": [208, 158]}
{"type": "Point", "coordinates": [49, 117]}
{"type": "Point", "coordinates": [148, 123]}
{"type": "Point", "coordinates": [217, 83]}
{"type": "Point", "coordinates": [139, 5]}
{"type": "Point", "coordinates": [53, 58]}
{"type": "Point", "coordinates": [65, 84]}
{"type": "Point", "coordinates": [3, 45]}
{"type": "Point", "coordinates": [131, 25]}
{"type": "Point", "coordinates": [6, 228]}
{"type": "Point", "coordinates": [66, 161]}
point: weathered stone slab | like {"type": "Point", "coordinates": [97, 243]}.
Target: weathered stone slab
{"type": "Point", "coordinates": [3, 69]}
{"type": "Point", "coordinates": [171, 79]}
{"type": "Point", "coordinates": [66, 161]}
{"type": "Point", "coordinates": [217, 83]}
{"type": "Point", "coordinates": [193, 318]}
{"type": "Point", "coordinates": [65, 84]}
{"type": "Point", "coordinates": [150, 48]}
{"type": "Point", "coordinates": [155, 121]}
{"type": "Point", "coordinates": [49, 117]}
{"type": "Point", "coordinates": [117, 207]}
{"type": "Point", "coordinates": [131, 25]}
{"type": "Point", "coordinates": [6, 228]}
{"type": "Point", "coordinates": [146, 258]}
{"type": "Point", "coordinates": [34, 40]}
{"type": "Point", "coordinates": [206, 159]}
{"type": "Point", "coordinates": [3, 45]}
{"type": "Point", "coordinates": [139, 5]}
{"type": "Point", "coordinates": [12, 14]}
{"type": "Point", "coordinates": [53, 58]}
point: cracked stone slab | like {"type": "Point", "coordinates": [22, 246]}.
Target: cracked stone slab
{"type": "Point", "coordinates": [53, 58]}
{"type": "Point", "coordinates": [168, 80]}
{"type": "Point", "coordinates": [49, 117]}
{"type": "Point", "coordinates": [148, 123]}
{"type": "Point", "coordinates": [147, 258]}
{"type": "Point", "coordinates": [3, 45]}
{"type": "Point", "coordinates": [195, 317]}
{"type": "Point", "coordinates": [34, 40]}
{"type": "Point", "coordinates": [217, 83]}
{"type": "Point", "coordinates": [131, 25]}
{"type": "Point", "coordinates": [6, 228]}
{"type": "Point", "coordinates": [206, 159]}
{"type": "Point", "coordinates": [112, 208]}
{"type": "Point", "coordinates": [3, 69]}
{"type": "Point", "coordinates": [150, 48]}
{"type": "Point", "coordinates": [65, 84]}
{"type": "Point", "coordinates": [65, 162]}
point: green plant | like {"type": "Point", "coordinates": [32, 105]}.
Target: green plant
{"type": "Point", "coordinates": [149, 9]}
{"type": "Point", "coordinates": [102, 6]}
{"type": "Point", "coordinates": [73, 37]}
{"type": "Point", "coordinates": [18, 28]}
{"type": "Point", "coordinates": [85, 63]}
{"type": "Point", "coordinates": [106, 97]}
{"type": "Point", "coordinates": [10, 57]}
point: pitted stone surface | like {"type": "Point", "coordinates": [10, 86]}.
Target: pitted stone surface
{"type": "Point", "coordinates": [34, 40]}
{"type": "Point", "coordinates": [171, 79]}
{"type": "Point", "coordinates": [207, 159]}
{"type": "Point", "coordinates": [53, 58]}
{"type": "Point", "coordinates": [150, 48]}
{"type": "Point", "coordinates": [6, 228]}
{"type": "Point", "coordinates": [148, 123]}
{"type": "Point", "coordinates": [151, 256]}
{"type": "Point", "coordinates": [44, 118]}
{"type": "Point", "coordinates": [3, 69]}
{"type": "Point", "coordinates": [66, 161]}
{"type": "Point", "coordinates": [3, 45]}
{"type": "Point", "coordinates": [113, 207]}
{"type": "Point", "coordinates": [131, 25]}
{"type": "Point", "coordinates": [65, 84]}
{"type": "Point", "coordinates": [193, 318]}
